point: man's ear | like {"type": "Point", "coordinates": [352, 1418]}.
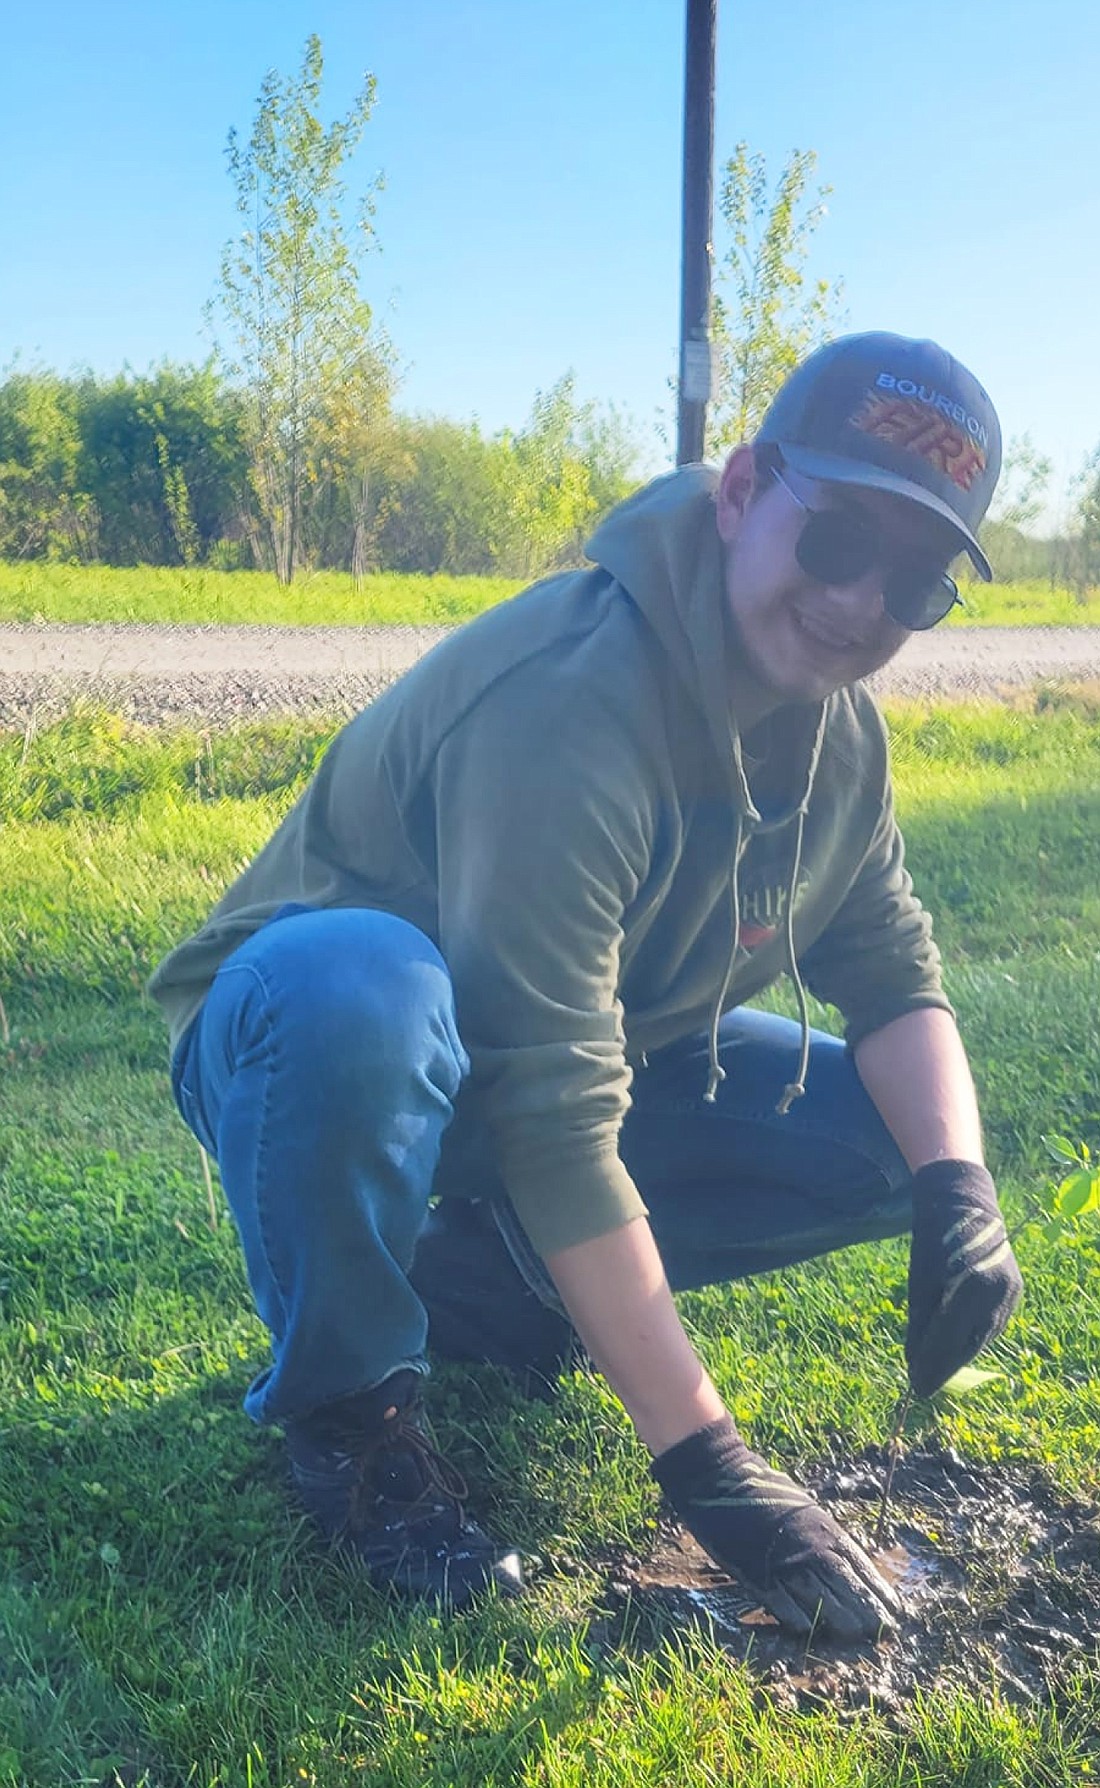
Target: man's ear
{"type": "Point", "coordinates": [735, 490]}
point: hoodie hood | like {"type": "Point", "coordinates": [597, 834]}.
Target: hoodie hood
{"type": "Point", "coordinates": [663, 546]}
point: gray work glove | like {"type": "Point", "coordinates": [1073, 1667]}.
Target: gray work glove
{"type": "Point", "coordinates": [964, 1283]}
{"type": "Point", "coordinates": [765, 1529]}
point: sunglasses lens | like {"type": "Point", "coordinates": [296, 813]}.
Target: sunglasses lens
{"type": "Point", "coordinates": [918, 598]}
{"type": "Point", "coordinates": [834, 548]}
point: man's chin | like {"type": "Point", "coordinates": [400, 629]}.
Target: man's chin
{"type": "Point", "coordinates": [796, 669]}
{"type": "Point", "coordinates": [795, 683]}
{"type": "Point", "coordinates": [807, 669]}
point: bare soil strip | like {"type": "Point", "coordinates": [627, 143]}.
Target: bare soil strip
{"type": "Point", "coordinates": [219, 674]}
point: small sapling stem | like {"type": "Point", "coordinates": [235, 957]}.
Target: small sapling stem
{"type": "Point", "coordinates": [891, 1464]}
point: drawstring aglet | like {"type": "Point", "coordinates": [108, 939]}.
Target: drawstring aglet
{"type": "Point", "coordinates": [715, 1078]}
{"type": "Point", "coordinates": [793, 1090]}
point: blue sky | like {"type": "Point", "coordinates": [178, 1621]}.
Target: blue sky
{"type": "Point", "coordinates": [531, 212]}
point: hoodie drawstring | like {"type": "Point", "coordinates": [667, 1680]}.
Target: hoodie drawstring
{"type": "Point", "coordinates": [795, 1088]}
{"type": "Point", "coordinates": [717, 1073]}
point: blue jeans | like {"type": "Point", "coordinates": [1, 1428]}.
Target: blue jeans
{"type": "Point", "coordinates": [323, 1072]}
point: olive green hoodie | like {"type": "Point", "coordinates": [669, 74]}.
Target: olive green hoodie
{"type": "Point", "coordinates": [558, 797]}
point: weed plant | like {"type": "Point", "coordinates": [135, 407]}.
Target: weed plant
{"type": "Point", "coordinates": [166, 1620]}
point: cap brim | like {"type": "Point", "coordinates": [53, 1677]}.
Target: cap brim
{"type": "Point", "coordinates": [831, 468]}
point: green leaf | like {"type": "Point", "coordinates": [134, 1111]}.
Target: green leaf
{"type": "Point", "coordinates": [1078, 1192]}
{"type": "Point", "coordinates": [966, 1380]}
{"type": "Point", "coordinates": [1047, 1198]}
{"type": "Point", "coordinates": [1061, 1148]}
{"type": "Point", "coordinates": [1054, 1230]}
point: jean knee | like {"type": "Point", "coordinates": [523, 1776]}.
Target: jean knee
{"type": "Point", "coordinates": [367, 993]}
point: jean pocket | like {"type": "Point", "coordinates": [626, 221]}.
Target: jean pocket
{"type": "Point", "coordinates": [186, 1100]}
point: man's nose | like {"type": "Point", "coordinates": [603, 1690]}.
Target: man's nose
{"type": "Point", "coordinates": [863, 596]}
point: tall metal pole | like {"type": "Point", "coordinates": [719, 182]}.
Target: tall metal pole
{"type": "Point", "coordinates": [695, 268]}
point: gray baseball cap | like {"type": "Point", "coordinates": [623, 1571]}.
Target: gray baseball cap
{"type": "Point", "coordinates": [889, 413]}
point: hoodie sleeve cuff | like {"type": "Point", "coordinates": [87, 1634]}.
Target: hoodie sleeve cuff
{"type": "Point", "coordinates": [869, 1018]}
{"type": "Point", "coordinates": [574, 1200]}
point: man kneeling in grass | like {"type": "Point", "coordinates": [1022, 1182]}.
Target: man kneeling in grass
{"type": "Point", "coordinates": [530, 890]}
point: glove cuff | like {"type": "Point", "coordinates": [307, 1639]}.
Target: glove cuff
{"type": "Point", "coordinates": [945, 1182]}
{"type": "Point", "coordinates": [717, 1447]}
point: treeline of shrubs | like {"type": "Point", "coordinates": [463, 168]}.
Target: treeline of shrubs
{"type": "Point", "coordinates": [154, 468]}
{"type": "Point", "coordinates": [1064, 561]}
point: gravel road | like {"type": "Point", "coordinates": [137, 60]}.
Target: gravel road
{"type": "Point", "coordinates": [219, 674]}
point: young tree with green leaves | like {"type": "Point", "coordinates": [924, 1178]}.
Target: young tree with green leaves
{"type": "Point", "coordinates": [569, 464]}
{"type": "Point", "coordinates": [302, 333]}
{"type": "Point", "coordinates": [1086, 567]}
{"type": "Point", "coordinates": [1024, 481]}
{"type": "Point", "coordinates": [766, 315]}
{"type": "Point", "coordinates": [1006, 534]}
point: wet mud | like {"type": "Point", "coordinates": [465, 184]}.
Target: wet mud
{"type": "Point", "coordinates": [1000, 1578]}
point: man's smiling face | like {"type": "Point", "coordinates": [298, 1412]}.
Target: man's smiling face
{"type": "Point", "coordinates": [802, 638]}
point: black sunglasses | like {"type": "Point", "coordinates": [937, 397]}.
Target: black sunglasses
{"type": "Point", "coordinates": [837, 547]}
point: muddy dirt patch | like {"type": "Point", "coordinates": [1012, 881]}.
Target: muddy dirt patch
{"type": "Point", "coordinates": [1000, 1578]}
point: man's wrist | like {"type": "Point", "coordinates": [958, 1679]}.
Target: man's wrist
{"type": "Point", "coordinates": [708, 1449]}
{"type": "Point", "coordinates": [942, 1181]}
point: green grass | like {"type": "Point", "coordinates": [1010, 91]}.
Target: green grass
{"type": "Point", "coordinates": [30, 591]}
{"type": "Point", "coordinates": [155, 593]}
{"type": "Point", "coordinates": [1025, 605]}
{"type": "Point", "coordinates": [164, 1620]}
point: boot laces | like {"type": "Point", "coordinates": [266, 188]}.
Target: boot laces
{"type": "Point", "coordinates": [403, 1434]}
